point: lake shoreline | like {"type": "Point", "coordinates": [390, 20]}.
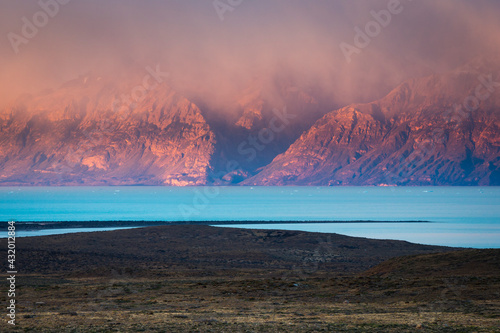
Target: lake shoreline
{"type": "Point", "coordinates": [44, 225]}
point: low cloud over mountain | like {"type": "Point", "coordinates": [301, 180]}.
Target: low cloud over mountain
{"type": "Point", "coordinates": [242, 92]}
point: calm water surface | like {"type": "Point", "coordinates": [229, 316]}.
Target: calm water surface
{"type": "Point", "coordinates": [461, 216]}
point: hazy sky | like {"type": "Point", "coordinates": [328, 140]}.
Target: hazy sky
{"type": "Point", "coordinates": [256, 40]}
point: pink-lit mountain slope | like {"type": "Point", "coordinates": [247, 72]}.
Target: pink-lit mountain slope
{"type": "Point", "coordinates": [438, 130]}
{"type": "Point", "coordinates": [94, 132]}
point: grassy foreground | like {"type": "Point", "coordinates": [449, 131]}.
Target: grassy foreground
{"type": "Point", "coordinates": [205, 279]}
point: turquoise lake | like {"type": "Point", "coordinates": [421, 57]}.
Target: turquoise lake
{"type": "Point", "coordinates": [459, 216]}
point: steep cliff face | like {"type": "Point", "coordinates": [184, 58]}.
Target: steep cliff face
{"type": "Point", "coordinates": [93, 132]}
{"type": "Point", "coordinates": [259, 125]}
{"type": "Point", "coordinates": [439, 130]}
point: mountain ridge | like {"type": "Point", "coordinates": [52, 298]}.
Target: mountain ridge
{"type": "Point", "coordinates": [425, 132]}
{"type": "Point", "coordinates": [438, 130]}
{"type": "Point", "coordinates": [82, 139]}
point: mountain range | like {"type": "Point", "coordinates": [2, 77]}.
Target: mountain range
{"type": "Point", "coordinates": [443, 129]}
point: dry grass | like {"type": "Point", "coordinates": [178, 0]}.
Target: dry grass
{"type": "Point", "coordinates": [208, 284]}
